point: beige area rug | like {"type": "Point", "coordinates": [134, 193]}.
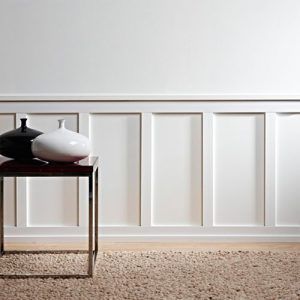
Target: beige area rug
{"type": "Point", "coordinates": [158, 275]}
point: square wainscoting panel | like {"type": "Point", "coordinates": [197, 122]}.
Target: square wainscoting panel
{"type": "Point", "coordinates": [52, 201]}
{"type": "Point", "coordinates": [238, 169]}
{"type": "Point", "coordinates": [288, 170]}
{"type": "Point", "coordinates": [177, 169]}
{"type": "Point", "coordinates": [116, 140]}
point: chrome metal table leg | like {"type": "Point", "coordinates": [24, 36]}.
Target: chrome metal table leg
{"type": "Point", "coordinates": [96, 211]}
{"type": "Point", "coordinates": [1, 217]}
{"type": "Point", "coordinates": [91, 229]}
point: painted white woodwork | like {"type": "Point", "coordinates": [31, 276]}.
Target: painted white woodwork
{"type": "Point", "coordinates": [288, 170]}
{"type": "Point", "coordinates": [158, 46]}
{"type": "Point", "coordinates": [52, 201]}
{"type": "Point", "coordinates": [177, 169]}
{"type": "Point", "coordinates": [231, 172]}
{"type": "Point", "coordinates": [116, 140]}
{"type": "Point", "coordinates": [239, 169]}
{"type": "Point", "coordinates": [156, 233]}
{"type": "Point", "coordinates": [67, 107]}
{"type": "Point", "coordinates": [208, 160]}
{"type": "Point", "coordinates": [111, 97]}
{"type": "Point", "coordinates": [270, 169]}
{"type": "Point", "coordinates": [7, 122]}
{"type": "Point", "coordinates": [146, 169]}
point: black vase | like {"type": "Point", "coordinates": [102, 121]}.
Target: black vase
{"type": "Point", "coordinates": [17, 143]}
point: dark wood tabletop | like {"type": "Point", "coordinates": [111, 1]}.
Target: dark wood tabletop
{"type": "Point", "coordinates": [36, 167]}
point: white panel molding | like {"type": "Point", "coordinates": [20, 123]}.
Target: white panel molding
{"type": "Point", "coordinates": [155, 233]}
{"type": "Point", "coordinates": [144, 97]}
{"type": "Point", "coordinates": [147, 231]}
{"type": "Point", "coordinates": [177, 169]}
{"type": "Point", "coordinates": [116, 140]}
{"type": "Point", "coordinates": [146, 169]}
{"type": "Point", "coordinates": [239, 169]}
{"type": "Point", "coordinates": [56, 107]}
{"type": "Point", "coordinates": [207, 171]}
{"type": "Point", "coordinates": [226, 238]}
{"type": "Point", "coordinates": [153, 230]}
{"type": "Point", "coordinates": [287, 170]}
{"type": "Point", "coordinates": [270, 169]}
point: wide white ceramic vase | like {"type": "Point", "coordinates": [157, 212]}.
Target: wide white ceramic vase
{"type": "Point", "coordinates": [61, 145]}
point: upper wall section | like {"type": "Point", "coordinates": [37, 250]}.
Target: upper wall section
{"type": "Point", "coordinates": [119, 49]}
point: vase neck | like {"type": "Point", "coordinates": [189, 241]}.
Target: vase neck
{"type": "Point", "coordinates": [61, 124]}
{"type": "Point", "coordinates": [23, 124]}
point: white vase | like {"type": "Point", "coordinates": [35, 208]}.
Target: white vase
{"type": "Point", "coordinates": [61, 145]}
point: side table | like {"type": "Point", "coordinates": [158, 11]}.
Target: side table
{"type": "Point", "coordinates": [87, 167]}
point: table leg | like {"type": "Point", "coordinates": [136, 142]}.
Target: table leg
{"type": "Point", "coordinates": [96, 211]}
{"type": "Point", "coordinates": [91, 229]}
{"type": "Point", "coordinates": [1, 217]}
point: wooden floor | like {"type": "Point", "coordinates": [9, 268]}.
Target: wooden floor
{"type": "Point", "coordinates": [161, 246]}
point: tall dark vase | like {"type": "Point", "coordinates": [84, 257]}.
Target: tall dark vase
{"type": "Point", "coordinates": [17, 143]}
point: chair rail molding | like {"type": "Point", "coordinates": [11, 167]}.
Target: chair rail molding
{"type": "Point", "coordinates": [144, 97]}
{"type": "Point", "coordinates": [213, 168]}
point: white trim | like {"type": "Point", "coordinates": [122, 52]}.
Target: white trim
{"type": "Point", "coordinates": [152, 106]}
{"type": "Point", "coordinates": [270, 172]}
{"type": "Point", "coordinates": [140, 97]}
{"type": "Point", "coordinates": [154, 233]}
{"type": "Point", "coordinates": [155, 230]}
{"type": "Point", "coordinates": [146, 169]}
{"type": "Point", "coordinates": [207, 169]}
{"type": "Point", "coordinates": [146, 232]}
{"type": "Point", "coordinates": [154, 238]}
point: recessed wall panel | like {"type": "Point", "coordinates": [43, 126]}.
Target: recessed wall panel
{"type": "Point", "coordinates": [52, 201]}
{"type": "Point", "coordinates": [177, 169]}
{"type": "Point", "coordinates": [239, 169]}
{"type": "Point", "coordinates": [288, 169]}
{"type": "Point", "coordinates": [7, 122]}
{"type": "Point", "coordinates": [116, 140]}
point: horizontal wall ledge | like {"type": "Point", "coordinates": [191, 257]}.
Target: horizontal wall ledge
{"type": "Point", "coordinates": [145, 97]}
{"type": "Point", "coordinates": [49, 107]}
{"type": "Point", "coordinates": [155, 231]}
{"type": "Point", "coordinates": [30, 239]}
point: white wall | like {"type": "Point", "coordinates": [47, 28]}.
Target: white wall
{"type": "Point", "coordinates": [207, 170]}
{"type": "Point", "coordinates": [150, 47]}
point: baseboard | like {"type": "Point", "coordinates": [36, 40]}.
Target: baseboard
{"type": "Point", "coordinates": [75, 234]}
{"type": "Point", "coordinates": [152, 238]}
